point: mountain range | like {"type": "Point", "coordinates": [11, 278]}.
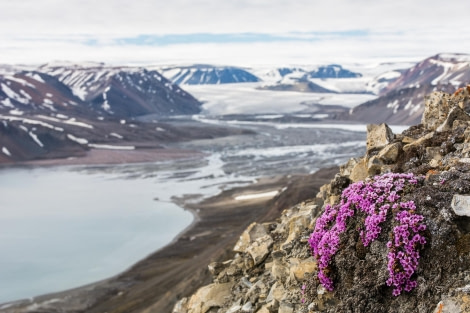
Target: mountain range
{"type": "Point", "coordinates": [63, 109]}
{"type": "Point", "coordinates": [207, 75]}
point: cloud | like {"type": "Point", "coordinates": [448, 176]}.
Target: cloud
{"type": "Point", "coordinates": [117, 30]}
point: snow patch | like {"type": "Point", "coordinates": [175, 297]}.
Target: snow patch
{"type": "Point", "coordinates": [30, 121]}
{"type": "Point", "coordinates": [16, 112]}
{"type": "Point", "coordinates": [394, 105]}
{"type": "Point", "coordinates": [7, 102]}
{"type": "Point", "coordinates": [116, 135]}
{"type": "Point", "coordinates": [21, 81]}
{"type": "Point", "coordinates": [110, 147]}
{"type": "Point", "coordinates": [6, 152]}
{"type": "Point", "coordinates": [36, 76]}
{"type": "Point", "coordinates": [268, 194]}
{"type": "Point", "coordinates": [81, 141]}
{"type": "Point", "coordinates": [36, 139]}
{"type": "Point", "coordinates": [13, 95]}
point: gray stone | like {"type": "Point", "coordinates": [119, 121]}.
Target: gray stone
{"type": "Point", "coordinates": [247, 307]}
{"type": "Point", "coordinates": [234, 308]}
{"type": "Point", "coordinates": [461, 205]}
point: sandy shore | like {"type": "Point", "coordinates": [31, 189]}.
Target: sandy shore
{"type": "Point", "coordinates": [177, 270]}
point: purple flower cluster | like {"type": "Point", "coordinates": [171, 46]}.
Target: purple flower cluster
{"type": "Point", "coordinates": [375, 198]}
{"type": "Point", "coordinates": [403, 256]}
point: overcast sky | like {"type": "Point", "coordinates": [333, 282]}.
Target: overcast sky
{"type": "Point", "coordinates": [241, 32]}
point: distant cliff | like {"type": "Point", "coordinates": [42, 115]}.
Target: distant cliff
{"type": "Point", "coordinates": [272, 268]}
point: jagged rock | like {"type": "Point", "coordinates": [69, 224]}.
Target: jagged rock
{"type": "Point", "coordinates": [286, 307]}
{"type": "Point", "coordinates": [234, 309]}
{"type": "Point", "coordinates": [389, 153]}
{"type": "Point", "coordinates": [378, 136]}
{"type": "Point", "coordinates": [418, 143]}
{"type": "Point", "coordinates": [257, 291]}
{"type": "Point", "coordinates": [250, 235]}
{"type": "Point", "coordinates": [433, 153]}
{"type": "Point", "coordinates": [247, 307]}
{"type": "Point", "coordinates": [263, 309]}
{"type": "Point", "coordinates": [181, 306]}
{"type": "Point", "coordinates": [359, 171]}
{"type": "Point", "coordinates": [461, 205]}
{"type": "Point", "coordinates": [374, 166]}
{"type": "Point", "coordinates": [296, 225]}
{"type": "Point", "coordinates": [346, 169]}
{"type": "Point", "coordinates": [210, 296]}
{"type": "Point", "coordinates": [276, 293]}
{"type": "Point", "coordinates": [462, 97]}
{"type": "Point", "coordinates": [279, 269]}
{"type": "Point", "coordinates": [455, 114]}
{"type": "Point", "coordinates": [259, 249]}
{"type": "Point", "coordinates": [302, 269]}
{"type": "Point", "coordinates": [215, 268]}
{"type": "Point", "coordinates": [437, 106]}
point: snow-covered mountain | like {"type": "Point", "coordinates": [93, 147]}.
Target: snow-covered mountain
{"type": "Point", "coordinates": [402, 100]}
{"type": "Point", "coordinates": [207, 74]}
{"type": "Point", "coordinates": [124, 91]}
{"type": "Point", "coordinates": [62, 110]}
{"type": "Point", "coordinates": [319, 79]}
{"type": "Point", "coordinates": [440, 69]}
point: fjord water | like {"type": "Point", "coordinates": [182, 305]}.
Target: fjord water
{"type": "Point", "coordinates": [61, 229]}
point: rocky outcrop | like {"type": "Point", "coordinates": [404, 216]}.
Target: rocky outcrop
{"type": "Point", "coordinates": [273, 270]}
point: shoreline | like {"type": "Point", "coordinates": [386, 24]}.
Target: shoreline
{"type": "Point", "coordinates": [112, 157]}
{"type": "Point", "coordinates": [156, 282]}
